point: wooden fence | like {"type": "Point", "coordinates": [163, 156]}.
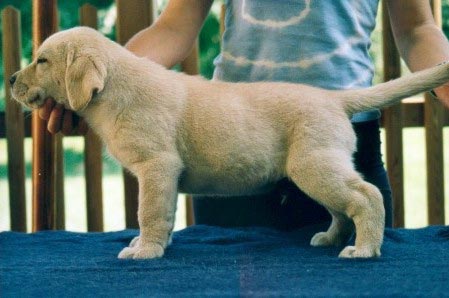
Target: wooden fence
{"type": "Point", "coordinates": [132, 16]}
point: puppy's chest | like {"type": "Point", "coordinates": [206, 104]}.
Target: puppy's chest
{"type": "Point", "coordinates": [134, 141]}
{"type": "Point", "coordinates": [118, 143]}
{"type": "Point", "coordinates": [133, 148]}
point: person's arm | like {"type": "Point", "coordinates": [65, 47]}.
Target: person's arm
{"type": "Point", "coordinates": [168, 41]}
{"type": "Point", "coordinates": [420, 42]}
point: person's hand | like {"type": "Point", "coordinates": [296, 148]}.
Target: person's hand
{"type": "Point", "coordinates": [442, 94]}
{"type": "Point", "coordinates": [61, 119]}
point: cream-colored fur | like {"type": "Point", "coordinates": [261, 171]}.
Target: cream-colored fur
{"type": "Point", "coordinates": [179, 133]}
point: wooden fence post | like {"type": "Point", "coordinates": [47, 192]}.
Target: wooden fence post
{"type": "Point", "coordinates": [433, 122]}
{"type": "Point", "coordinates": [393, 123]}
{"type": "Point", "coordinates": [14, 120]}
{"type": "Point", "coordinates": [93, 151]}
{"type": "Point", "coordinates": [222, 19]}
{"type": "Point", "coordinates": [44, 144]}
{"type": "Point", "coordinates": [132, 16]}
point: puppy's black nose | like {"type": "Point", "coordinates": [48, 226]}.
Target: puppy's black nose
{"type": "Point", "coordinates": [12, 79]}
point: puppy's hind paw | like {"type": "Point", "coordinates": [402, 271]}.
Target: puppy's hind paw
{"type": "Point", "coordinates": [321, 239]}
{"type": "Point", "coordinates": [149, 251]}
{"type": "Point", "coordinates": [354, 252]}
{"type": "Point", "coordinates": [327, 239]}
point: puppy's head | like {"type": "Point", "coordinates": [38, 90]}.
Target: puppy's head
{"type": "Point", "coordinates": [70, 66]}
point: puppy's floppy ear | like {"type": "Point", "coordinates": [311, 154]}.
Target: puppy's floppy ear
{"type": "Point", "coordinates": [85, 75]}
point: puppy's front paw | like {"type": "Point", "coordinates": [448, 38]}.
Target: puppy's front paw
{"type": "Point", "coordinates": [354, 252]}
{"type": "Point", "coordinates": [134, 242]}
{"type": "Point", "coordinates": [136, 239]}
{"type": "Point", "coordinates": [148, 251]}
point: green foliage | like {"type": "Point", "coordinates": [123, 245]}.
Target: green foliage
{"type": "Point", "coordinates": [74, 164]}
{"type": "Point", "coordinates": [445, 13]}
{"type": "Point", "coordinates": [209, 44]}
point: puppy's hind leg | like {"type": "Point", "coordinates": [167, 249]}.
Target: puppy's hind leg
{"type": "Point", "coordinates": [327, 175]}
{"type": "Point", "coordinates": [156, 213]}
{"type": "Point", "coordinates": [338, 232]}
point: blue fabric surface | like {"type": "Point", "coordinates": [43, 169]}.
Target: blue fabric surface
{"type": "Point", "coordinates": [208, 261]}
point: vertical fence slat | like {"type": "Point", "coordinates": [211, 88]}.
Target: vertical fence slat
{"type": "Point", "coordinates": [132, 16]}
{"type": "Point", "coordinates": [94, 191]}
{"type": "Point", "coordinates": [92, 151]}
{"type": "Point", "coordinates": [393, 122]}
{"type": "Point", "coordinates": [59, 217]}
{"type": "Point", "coordinates": [131, 200]}
{"type": "Point", "coordinates": [190, 66]}
{"type": "Point", "coordinates": [222, 19]}
{"type": "Point", "coordinates": [433, 122]}
{"type": "Point", "coordinates": [44, 144]}
{"type": "Point", "coordinates": [433, 118]}
{"type": "Point", "coordinates": [14, 120]}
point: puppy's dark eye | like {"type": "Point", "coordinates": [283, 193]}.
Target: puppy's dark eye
{"type": "Point", "coordinates": [41, 60]}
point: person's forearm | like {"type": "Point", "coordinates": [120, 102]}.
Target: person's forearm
{"type": "Point", "coordinates": [170, 39]}
{"type": "Point", "coordinates": [161, 45]}
{"type": "Point", "coordinates": [420, 42]}
{"type": "Point", "coordinates": [424, 47]}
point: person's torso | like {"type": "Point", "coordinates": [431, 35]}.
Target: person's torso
{"type": "Point", "coordinates": [322, 43]}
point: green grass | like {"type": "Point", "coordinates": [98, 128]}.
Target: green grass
{"type": "Point", "coordinates": [414, 172]}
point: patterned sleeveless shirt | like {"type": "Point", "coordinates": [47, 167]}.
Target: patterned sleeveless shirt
{"type": "Point", "coordinates": [323, 43]}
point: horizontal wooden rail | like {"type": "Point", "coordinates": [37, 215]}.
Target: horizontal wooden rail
{"type": "Point", "coordinates": [412, 116]}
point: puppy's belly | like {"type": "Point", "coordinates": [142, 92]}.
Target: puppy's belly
{"type": "Point", "coordinates": [249, 162]}
{"type": "Point", "coordinates": [207, 183]}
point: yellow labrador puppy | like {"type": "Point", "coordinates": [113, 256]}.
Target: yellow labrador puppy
{"type": "Point", "coordinates": [179, 133]}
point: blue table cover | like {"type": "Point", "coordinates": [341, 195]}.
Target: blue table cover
{"type": "Point", "coordinates": [213, 261]}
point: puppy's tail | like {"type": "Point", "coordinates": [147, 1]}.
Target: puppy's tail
{"type": "Point", "coordinates": [385, 94]}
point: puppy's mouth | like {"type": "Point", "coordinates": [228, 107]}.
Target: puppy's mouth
{"type": "Point", "coordinates": [31, 97]}
{"type": "Point", "coordinates": [34, 99]}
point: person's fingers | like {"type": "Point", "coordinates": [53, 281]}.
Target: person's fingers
{"type": "Point", "coordinates": [442, 94]}
{"type": "Point", "coordinates": [55, 119]}
{"type": "Point", "coordinates": [60, 119]}
{"type": "Point", "coordinates": [67, 122]}
{"type": "Point", "coordinates": [45, 111]}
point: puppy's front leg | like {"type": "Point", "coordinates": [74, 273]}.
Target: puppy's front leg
{"type": "Point", "coordinates": [156, 213]}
